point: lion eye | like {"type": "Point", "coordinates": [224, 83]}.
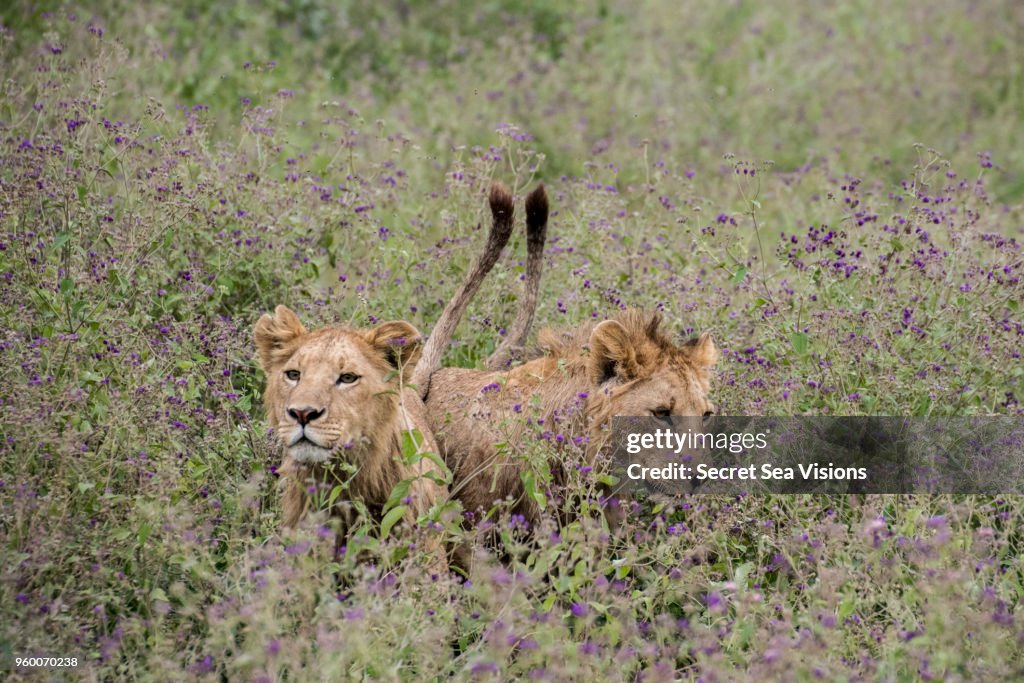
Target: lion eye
{"type": "Point", "coordinates": [662, 412]}
{"type": "Point", "coordinates": [347, 378]}
{"type": "Point", "coordinates": [293, 375]}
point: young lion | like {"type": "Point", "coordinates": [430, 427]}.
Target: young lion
{"type": "Point", "coordinates": [623, 366]}
{"type": "Point", "coordinates": [334, 394]}
{"type": "Point", "coordinates": [340, 393]}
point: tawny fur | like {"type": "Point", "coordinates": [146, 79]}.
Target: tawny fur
{"type": "Point", "coordinates": [582, 378]}
{"type": "Point", "coordinates": [502, 214]}
{"type": "Point", "coordinates": [362, 422]}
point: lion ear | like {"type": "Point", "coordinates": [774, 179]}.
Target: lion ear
{"type": "Point", "coordinates": [274, 333]}
{"type": "Point", "coordinates": [399, 342]}
{"type": "Point", "coordinates": [612, 353]}
{"type": "Point", "coordinates": [702, 351]}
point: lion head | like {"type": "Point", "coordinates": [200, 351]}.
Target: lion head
{"type": "Point", "coordinates": [337, 395]}
{"type": "Point", "coordinates": [331, 390]}
{"type": "Point", "coordinates": [635, 369]}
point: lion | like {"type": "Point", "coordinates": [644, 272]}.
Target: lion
{"type": "Point", "coordinates": [342, 394]}
{"type": "Point", "coordinates": [626, 365]}
{"type": "Point", "coordinates": [336, 394]}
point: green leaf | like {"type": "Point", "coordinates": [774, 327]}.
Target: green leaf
{"type": "Point", "coordinates": [391, 519]}
{"type": "Point", "coordinates": [923, 407]}
{"type": "Point", "coordinates": [144, 532]}
{"type": "Point", "coordinates": [846, 608]}
{"type": "Point", "coordinates": [335, 492]}
{"type": "Point", "coordinates": [84, 486]}
{"type": "Point", "coordinates": [741, 574]}
{"type": "Point", "coordinates": [799, 341]}
{"type": "Point", "coordinates": [437, 460]}
{"type": "Point", "coordinates": [740, 273]}
{"type": "Point", "coordinates": [745, 633]}
{"type": "Point", "coordinates": [437, 478]}
{"type": "Point", "coordinates": [67, 285]}
{"type": "Point", "coordinates": [411, 438]}
{"type": "Point", "coordinates": [61, 240]}
{"type": "Point", "coordinates": [530, 484]}
{"type": "Point", "coordinates": [159, 595]}
{"type": "Point", "coordinates": [400, 491]}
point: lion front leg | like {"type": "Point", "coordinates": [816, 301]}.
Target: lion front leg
{"type": "Point", "coordinates": [425, 494]}
{"type": "Point", "coordinates": [294, 500]}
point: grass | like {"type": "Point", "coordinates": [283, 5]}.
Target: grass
{"type": "Point", "coordinates": [835, 192]}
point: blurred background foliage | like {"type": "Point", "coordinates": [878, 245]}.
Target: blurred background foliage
{"type": "Point", "coordinates": [590, 80]}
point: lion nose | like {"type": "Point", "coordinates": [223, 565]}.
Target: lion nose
{"type": "Point", "coordinates": [305, 415]}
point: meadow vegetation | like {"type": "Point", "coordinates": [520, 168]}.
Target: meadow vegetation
{"type": "Point", "coordinates": [835, 191]}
